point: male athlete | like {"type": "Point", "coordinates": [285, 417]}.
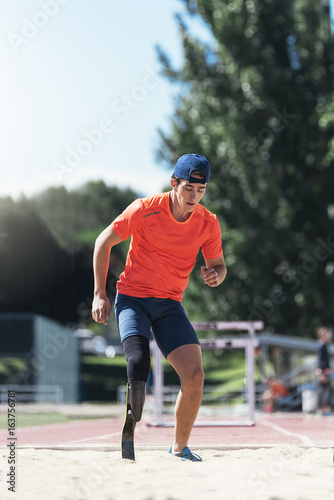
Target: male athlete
{"type": "Point", "coordinates": [167, 232]}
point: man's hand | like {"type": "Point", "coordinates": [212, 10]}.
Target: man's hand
{"type": "Point", "coordinates": [210, 276]}
{"type": "Point", "coordinates": [103, 244]}
{"type": "Point", "coordinates": [101, 308]}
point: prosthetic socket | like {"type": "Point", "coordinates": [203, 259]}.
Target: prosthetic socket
{"type": "Point", "coordinates": [137, 398]}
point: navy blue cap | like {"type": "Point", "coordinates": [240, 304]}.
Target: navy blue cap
{"type": "Point", "coordinates": [186, 164]}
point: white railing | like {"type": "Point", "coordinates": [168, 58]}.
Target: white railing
{"type": "Point", "coordinates": [32, 393]}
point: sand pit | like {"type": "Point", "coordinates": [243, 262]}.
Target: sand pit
{"type": "Point", "coordinates": [278, 473]}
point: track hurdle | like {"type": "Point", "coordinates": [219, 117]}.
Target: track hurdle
{"type": "Point", "coordinates": [248, 343]}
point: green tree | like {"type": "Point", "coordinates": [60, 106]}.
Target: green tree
{"type": "Point", "coordinates": [36, 274]}
{"type": "Point", "coordinates": [77, 217]}
{"type": "Point", "coordinates": [46, 247]}
{"type": "Point", "coordinates": [258, 102]}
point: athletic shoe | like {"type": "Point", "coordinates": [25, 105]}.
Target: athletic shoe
{"type": "Point", "coordinates": [186, 454]}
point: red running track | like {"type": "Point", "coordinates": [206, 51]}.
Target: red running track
{"type": "Point", "coordinates": [269, 430]}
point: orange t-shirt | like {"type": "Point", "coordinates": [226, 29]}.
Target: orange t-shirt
{"type": "Point", "coordinates": [163, 251]}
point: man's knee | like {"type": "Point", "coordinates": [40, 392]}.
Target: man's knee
{"type": "Point", "coordinates": [137, 352]}
{"type": "Point", "coordinates": [193, 380]}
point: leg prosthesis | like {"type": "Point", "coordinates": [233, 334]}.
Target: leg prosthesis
{"type": "Point", "coordinates": [137, 398]}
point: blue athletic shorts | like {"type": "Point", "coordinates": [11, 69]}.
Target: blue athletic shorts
{"type": "Point", "coordinates": [166, 317]}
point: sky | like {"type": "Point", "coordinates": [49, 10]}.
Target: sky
{"type": "Point", "coordinates": [81, 95]}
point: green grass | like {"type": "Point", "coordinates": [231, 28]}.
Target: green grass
{"type": "Point", "coordinates": [28, 419]}
{"type": "Point", "coordinates": [119, 361]}
{"type": "Point", "coordinates": [37, 419]}
{"type": "Point", "coordinates": [101, 376]}
{"type": "Point", "coordinates": [225, 374]}
{"type": "Point", "coordinates": [9, 368]}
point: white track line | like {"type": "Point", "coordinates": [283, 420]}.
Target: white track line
{"type": "Point", "coordinates": [95, 437]}
{"type": "Point", "coordinates": [304, 439]}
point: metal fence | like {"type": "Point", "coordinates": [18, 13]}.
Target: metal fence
{"type": "Point", "coordinates": [32, 393]}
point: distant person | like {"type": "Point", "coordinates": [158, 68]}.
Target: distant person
{"type": "Point", "coordinates": [323, 370]}
{"type": "Point", "coordinates": [167, 230]}
{"type": "Point", "coordinates": [275, 390]}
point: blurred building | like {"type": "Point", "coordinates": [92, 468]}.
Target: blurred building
{"type": "Point", "coordinates": [47, 359]}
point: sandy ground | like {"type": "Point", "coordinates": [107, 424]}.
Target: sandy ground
{"type": "Point", "coordinates": [278, 473]}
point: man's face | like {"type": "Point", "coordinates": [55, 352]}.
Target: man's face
{"type": "Point", "coordinates": [188, 194]}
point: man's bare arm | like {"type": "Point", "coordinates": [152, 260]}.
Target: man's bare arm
{"type": "Point", "coordinates": [103, 244]}
{"type": "Point", "coordinates": [215, 271]}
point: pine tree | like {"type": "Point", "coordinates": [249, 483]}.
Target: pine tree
{"type": "Point", "coordinates": [258, 102]}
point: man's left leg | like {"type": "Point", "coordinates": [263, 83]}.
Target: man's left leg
{"type": "Point", "coordinates": [187, 362]}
